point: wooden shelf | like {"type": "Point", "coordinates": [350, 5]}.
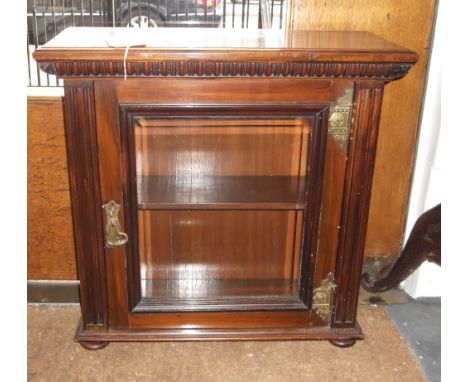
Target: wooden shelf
{"type": "Point", "coordinates": [198, 288]}
{"type": "Point", "coordinates": [221, 192]}
{"type": "Point", "coordinates": [218, 294]}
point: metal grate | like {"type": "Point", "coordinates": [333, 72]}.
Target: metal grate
{"type": "Point", "coordinates": [47, 18]}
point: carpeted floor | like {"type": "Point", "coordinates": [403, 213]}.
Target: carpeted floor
{"type": "Point", "coordinates": [54, 356]}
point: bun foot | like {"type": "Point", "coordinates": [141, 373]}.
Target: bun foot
{"type": "Point", "coordinates": [346, 343]}
{"type": "Point", "coordinates": [94, 345]}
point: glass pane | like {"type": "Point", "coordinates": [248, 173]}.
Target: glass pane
{"type": "Point", "coordinates": [220, 206]}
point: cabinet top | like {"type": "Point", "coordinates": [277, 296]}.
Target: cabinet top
{"type": "Point", "coordinates": [155, 52]}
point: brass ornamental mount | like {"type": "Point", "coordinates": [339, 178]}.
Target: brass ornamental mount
{"type": "Point", "coordinates": [323, 297]}
{"type": "Point", "coordinates": [339, 123]}
{"type": "Point", "coordinates": [114, 236]}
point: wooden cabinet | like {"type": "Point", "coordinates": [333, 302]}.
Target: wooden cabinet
{"type": "Point", "coordinates": [220, 182]}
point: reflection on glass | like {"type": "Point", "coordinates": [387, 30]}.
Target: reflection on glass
{"type": "Point", "coordinates": [220, 206]}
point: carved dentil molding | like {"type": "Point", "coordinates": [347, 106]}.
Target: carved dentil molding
{"type": "Point", "coordinates": [381, 71]}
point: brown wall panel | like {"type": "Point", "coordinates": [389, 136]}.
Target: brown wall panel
{"type": "Point", "coordinates": [408, 23]}
{"type": "Point", "coordinates": [50, 233]}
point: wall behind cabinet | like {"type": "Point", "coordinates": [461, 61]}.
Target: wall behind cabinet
{"type": "Point", "coordinates": [51, 253]}
{"type": "Point", "coordinates": [406, 22]}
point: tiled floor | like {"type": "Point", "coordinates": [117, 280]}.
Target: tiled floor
{"type": "Point", "coordinates": [419, 324]}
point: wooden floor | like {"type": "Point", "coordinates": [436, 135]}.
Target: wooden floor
{"type": "Point", "coordinates": [53, 356]}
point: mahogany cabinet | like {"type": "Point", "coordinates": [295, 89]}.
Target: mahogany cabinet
{"type": "Point", "coordinates": [220, 180]}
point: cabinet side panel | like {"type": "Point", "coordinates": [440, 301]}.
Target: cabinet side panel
{"type": "Point", "coordinates": [80, 129]}
{"type": "Point", "coordinates": [355, 209]}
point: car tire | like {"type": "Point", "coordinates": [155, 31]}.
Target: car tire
{"type": "Point", "coordinates": [142, 18]}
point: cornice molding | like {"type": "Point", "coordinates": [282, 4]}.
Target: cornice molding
{"type": "Point", "coordinates": [382, 71]}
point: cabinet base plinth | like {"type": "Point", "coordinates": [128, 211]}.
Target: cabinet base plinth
{"type": "Point", "coordinates": [338, 336]}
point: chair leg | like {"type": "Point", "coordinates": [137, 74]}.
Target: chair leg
{"type": "Point", "coordinates": [423, 244]}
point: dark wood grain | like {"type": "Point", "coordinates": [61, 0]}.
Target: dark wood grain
{"type": "Point", "coordinates": [176, 42]}
{"type": "Point", "coordinates": [221, 320]}
{"type": "Point", "coordinates": [276, 54]}
{"type": "Point", "coordinates": [81, 141]}
{"type": "Point", "coordinates": [215, 294]}
{"type": "Point", "coordinates": [200, 244]}
{"type": "Point", "coordinates": [108, 137]}
{"type": "Point", "coordinates": [232, 144]}
{"type": "Point", "coordinates": [209, 237]}
{"type": "Point", "coordinates": [181, 289]}
{"type": "Point", "coordinates": [386, 71]}
{"type": "Point", "coordinates": [355, 208]}
{"type": "Point", "coordinates": [263, 334]}
{"type": "Point", "coordinates": [222, 271]}
{"type": "Point", "coordinates": [221, 192]}
{"type": "Point", "coordinates": [205, 92]}
{"type": "Point", "coordinates": [313, 207]}
{"type": "Point", "coordinates": [329, 228]}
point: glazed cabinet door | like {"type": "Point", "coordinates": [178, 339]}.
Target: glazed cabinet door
{"type": "Point", "coordinates": [219, 202]}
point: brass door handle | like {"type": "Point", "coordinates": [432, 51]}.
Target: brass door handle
{"type": "Point", "coordinates": [114, 236]}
